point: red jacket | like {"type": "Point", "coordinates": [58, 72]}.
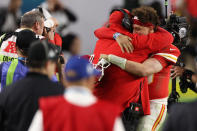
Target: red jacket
{"type": "Point", "coordinates": [117, 85]}
{"type": "Point", "coordinates": [60, 115]}
{"type": "Point", "coordinates": [57, 40]}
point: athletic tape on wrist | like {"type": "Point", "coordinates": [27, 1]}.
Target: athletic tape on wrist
{"type": "Point", "coordinates": [119, 61]}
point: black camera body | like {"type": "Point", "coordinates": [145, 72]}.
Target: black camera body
{"type": "Point", "coordinates": [136, 110]}
{"type": "Point", "coordinates": [179, 29]}
{"type": "Point", "coordinates": [186, 82]}
{"type": "Point", "coordinates": [131, 116]}
{"type": "Point", "coordinates": [47, 29]}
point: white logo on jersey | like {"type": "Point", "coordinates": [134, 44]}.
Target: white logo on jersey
{"type": "Point", "coordinates": [172, 49]}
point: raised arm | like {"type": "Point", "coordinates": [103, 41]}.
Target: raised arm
{"type": "Point", "coordinates": [155, 41]}
{"type": "Point", "coordinates": [123, 41]}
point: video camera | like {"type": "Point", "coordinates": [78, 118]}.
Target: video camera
{"type": "Point", "coordinates": [179, 29]}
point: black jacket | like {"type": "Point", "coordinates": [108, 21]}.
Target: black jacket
{"type": "Point", "coordinates": [19, 101]}
{"type": "Point", "coordinates": [182, 117]}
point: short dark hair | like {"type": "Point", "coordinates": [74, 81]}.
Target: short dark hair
{"type": "Point", "coordinates": [68, 41]}
{"type": "Point", "coordinates": [147, 14]}
{"type": "Point", "coordinates": [30, 18]}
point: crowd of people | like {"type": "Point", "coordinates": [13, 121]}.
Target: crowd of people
{"type": "Point", "coordinates": [123, 86]}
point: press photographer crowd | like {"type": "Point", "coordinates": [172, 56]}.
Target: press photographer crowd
{"type": "Point", "coordinates": [123, 85]}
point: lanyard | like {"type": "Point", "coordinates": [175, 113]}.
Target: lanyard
{"type": "Point", "coordinates": [22, 58]}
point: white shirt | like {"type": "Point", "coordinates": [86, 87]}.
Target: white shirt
{"type": "Point", "coordinates": [76, 95]}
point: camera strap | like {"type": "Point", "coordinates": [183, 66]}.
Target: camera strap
{"type": "Point", "coordinates": [141, 84]}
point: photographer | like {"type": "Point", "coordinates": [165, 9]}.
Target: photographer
{"type": "Point", "coordinates": [49, 30]}
{"type": "Point", "coordinates": [183, 117]}
{"type": "Point", "coordinates": [50, 33]}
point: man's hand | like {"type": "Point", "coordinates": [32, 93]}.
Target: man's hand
{"type": "Point", "coordinates": [50, 34]}
{"type": "Point", "coordinates": [104, 56]}
{"type": "Point", "coordinates": [176, 71]}
{"type": "Point", "coordinates": [125, 43]}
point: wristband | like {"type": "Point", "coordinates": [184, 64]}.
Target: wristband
{"type": "Point", "coordinates": [116, 60]}
{"type": "Point", "coordinates": [115, 35]}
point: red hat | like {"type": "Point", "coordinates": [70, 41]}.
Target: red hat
{"type": "Point", "coordinates": [191, 7]}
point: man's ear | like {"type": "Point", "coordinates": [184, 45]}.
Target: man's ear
{"type": "Point", "coordinates": [17, 49]}
{"type": "Point", "coordinates": [36, 25]}
{"type": "Point", "coordinates": [47, 64]}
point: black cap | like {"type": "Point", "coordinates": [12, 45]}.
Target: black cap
{"type": "Point", "coordinates": [24, 39]}
{"type": "Point", "coordinates": [42, 51]}
{"type": "Point", "coordinates": [67, 41]}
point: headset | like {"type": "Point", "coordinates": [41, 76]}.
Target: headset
{"type": "Point", "coordinates": [126, 21]}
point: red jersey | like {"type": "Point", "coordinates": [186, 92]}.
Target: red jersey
{"type": "Point", "coordinates": [57, 40]}
{"type": "Point", "coordinates": [159, 82]}
{"type": "Point", "coordinates": [118, 86]}
{"type": "Point", "coordinates": [59, 114]}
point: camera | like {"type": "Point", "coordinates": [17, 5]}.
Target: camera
{"type": "Point", "coordinates": [186, 82]}
{"type": "Point", "coordinates": [131, 116]}
{"type": "Point", "coordinates": [179, 29]}
{"type": "Point", "coordinates": [47, 29]}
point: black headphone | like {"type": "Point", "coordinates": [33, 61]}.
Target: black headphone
{"type": "Point", "coordinates": [126, 21]}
